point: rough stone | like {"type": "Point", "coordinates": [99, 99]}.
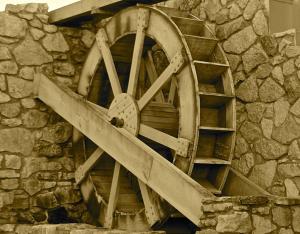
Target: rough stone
{"type": "Point", "coordinates": [10, 110]}
{"type": "Point", "coordinates": [12, 161]}
{"type": "Point", "coordinates": [19, 88]}
{"type": "Point", "coordinates": [4, 53]}
{"type": "Point", "coordinates": [295, 109]}
{"type": "Point", "coordinates": [263, 71]}
{"type": "Point", "coordinates": [240, 41]}
{"type": "Point", "coordinates": [250, 131]}
{"type": "Point", "coordinates": [250, 9]}
{"type": "Point", "coordinates": [88, 38]}
{"type": "Point", "coordinates": [245, 163]}
{"type": "Point", "coordinates": [283, 44]}
{"type": "Point", "coordinates": [262, 225]}
{"type": "Point", "coordinates": [270, 149]}
{"type": "Point", "coordinates": [248, 90]}
{"type": "Point", "coordinates": [27, 73]}
{"type": "Point", "coordinates": [241, 146]}
{"type": "Point", "coordinates": [285, 231]}
{"type": "Point", "coordinates": [27, 16]}
{"type": "Point", "coordinates": [292, 51]}
{"type": "Point", "coordinates": [2, 83]}
{"type": "Point", "coordinates": [260, 24]}
{"type": "Point", "coordinates": [294, 150]}
{"type": "Point", "coordinates": [234, 61]}
{"type": "Point", "coordinates": [289, 170]}
{"type": "Point", "coordinates": [255, 111]}
{"type": "Point", "coordinates": [287, 132]}
{"type": "Point", "coordinates": [4, 97]}
{"type": "Point", "coordinates": [211, 8]}
{"type": "Point", "coordinates": [292, 87]}
{"type": "Point", "coordinates": [66, 195]}
{"type": "Point", "coordinates": [47, 200]}
{"type": "Point", "coordinates": [36, 33]}
{"type": "Point", "coordinates": [288, 67]}
{"type": "Point", "coordinates": [291, 188]}
{"type": "Point", "coordinates": [30, 52]}
{"type": "Point", "coordinates": [269, 44]}
{"type": "Point", "coordinates": [6, 40]}
{"type": "Point", "coordinates": [12, 26]}
{"type": "Point", "coordinates": [50, 28]}
{"type": "Point", "coordinates": [238, 222]}
{"type": "Point", "coordinates": [50, 150]}
{"type": "Point", "coordinates": [8, 67]}
{"type": "Point", "coordinates": [55, 42]}
{"type": "Point", "coordinates": [58, 133]}
{"type": "Point", "coordinates": [32, 186]}
{"type": "Point", "coordinates": [238, 77]}
{"type": "Point", "coordinates": [296, 218]}
{"type": "Point", "coordinates": [13, 122]}
{"type": "Point", "coordinates": [28, 103]}
{"type": "Point", "coordinates": [16, 140]}
{"type": "Point", "coordinates": [278, 75]}
{"type": "Point", "coordinates": [63, 68]}
{"type": "Point", "coordinates": [35, 119]}
{"type": "Point", "coordinates": [281, 109]}
{"type": "Point", "coordinates": [278, 59]}
{"type": "Point", "coordinates": [9, 184]}
{"type": "Point", "coordinates": [267, 127]}
{"type": "Point", "coordinates": [263, 174]}
{"type": "Point", "coordinates": [270, 91]}
{"type": "Point", "coordinates": [9, 174]}
{"type": "Point", "coordinates": [222, 16]}
{"type": "Point", "coordinates": [253, 57]}
{"type": "Point", "coordinates": [36, 23]}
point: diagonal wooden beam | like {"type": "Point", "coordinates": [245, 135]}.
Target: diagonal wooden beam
{"type": "Point", "coordinates": [175, 65]}
{"type": "Point", "coordinates": [125, 148]}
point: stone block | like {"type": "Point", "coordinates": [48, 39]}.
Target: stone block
{"type": "Point", "coordinates": [238, 222]}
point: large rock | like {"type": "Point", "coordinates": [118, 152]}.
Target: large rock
{"type": "Point", "coordinates": [4, 97]}
{"type": "Point", "coordinates": [248, 90]}
{"type": "Point", "coordinates": [10, 110]}
{"type": "Point", "coordinates": [30, 52]}
{"type": "Point", "coordinates": [255, 111]}
{"type": "Point", "coordinates": [16, 140]}
{"type": "Point", "coordinates": [4, 174]}
{"type": "Point", "coordinates": [251, 8]}
{"type": "Point", "coordinates": [278, 75]}
{"type": "Point", "coordinates": [4, 53]}
{"type": "Point", "coordinates": [211, 8]}
{"type": "Point", "coordinates": [226, 30]}
{"type": "Point", "coordinates": [260, 24]}
{"type": "Point", "coordinates": [8, 67]}
{"type": "Point", "coordinates": [289, 170]}
{"type": "Point", "coordinates": [238, 222]}
{"type": "Point", "coordinates": [240, 41]}
{"type": "Point", "coordinates": [27, 73]}
{"type": "Point", "coordinates": [253, 57]}
{"type": "Point", "coordinates": [292, 87]}
{"type": "Point", "coordinates": [281, 110]}
{"type": "Point", "coordinates": [250, 131]}
{"type": "Point", "coordinates": [55, 42]}
{"type": "Point", "coordinates": [295, 109]}
{"type": "Point", "coordinates": [66, 195]}
{"type": "Point", "coordinates": [12, 26]}
{"type": "Point", "coordinates": [263, 71]}
{"type": "Point", "coordinates": [296, 218]}
{"type": "Point", "coordinates": [12, 161]}
{"type": "Point", "coordinates": [288, 67]}
{"type": "Point", "coordinates": [9, 184]}
{"type": "Point", "coordinates": [270, 91]}
{"type": "Point", "coordinates": [19, 88]}
{"type": "Point", "coordinates": [292, 51]}
{"type": "Point", "coordinates": [241, 146]}
{"type": "Point", "coordinates": [88, 38]}
{"type": "Point", "coordinates": [267, 127]}
{"type": "Point", "coordinates": [65, 69]}
{"type": "Point", "coordinates": [269, 44]}
{"type": "Point", "coordinates": [233, 60]}
{"type": "Point", "coordinates": [291, 188]}
{"type": "Point", "coordinates": [262, 225]}
{"type": "Point", "coordinates": [58, 133]}
{"type": "Point", "coordinates": [294, 150]}
{"type": "Point", "coordinates": [270, 149]}
{"type": "Point", "coordinates": [245, 163]}
{"type": "Point", "coordinates": [287, 132]}
{"type": "Point", "coordinates": [35, 119]}
{"type": "Point", "coordinates": [263, 174]}
{"type": "Point", "coordinates": [47, 200]}
{"type": "Point", "coordinates": [281, 216]}
{"type": "Point", "coordinates": [32, 186]}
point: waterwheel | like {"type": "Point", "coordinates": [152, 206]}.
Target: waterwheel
{"type": "Point", "coordinates": [160, 75]}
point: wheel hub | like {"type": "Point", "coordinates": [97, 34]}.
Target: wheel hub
{"type": "Point", "coordinates": [123, 113]}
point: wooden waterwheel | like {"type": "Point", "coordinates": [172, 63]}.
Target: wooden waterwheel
{"type": "Point", "coordinates": [160, 75]}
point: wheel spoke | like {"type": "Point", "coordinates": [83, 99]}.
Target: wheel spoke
{"type": "Point", "coordinates": [152, 74]}
{"type": "Point", "coordinates": [102, 42]}
{"type": "Point", "coordinates": [83, 169]}
{"type": "Point", "coordinates": [143, 17]}
{"type": "Point", "coordinates": [180, 145]}
{"type": "Point", "coordinates": [113, 196]}
{"type": "Point", "coordinates": [174, 66]}
{"type": "Point", "coordinates": [172, 90]}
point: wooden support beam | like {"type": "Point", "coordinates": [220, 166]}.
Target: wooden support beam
{"type": "Point", "coordinates": [128, 150]}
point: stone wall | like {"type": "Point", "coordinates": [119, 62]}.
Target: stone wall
{"type": "Point", "coordinates": [36, 164]}
{"type": "Point", "coordinates": [266, 72]}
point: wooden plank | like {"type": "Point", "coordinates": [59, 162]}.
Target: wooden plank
{"type": "Point", "coordinates": [82, 170]}
{"type": "Point", "coordinates": [133, 154]}
{"type": "Point", "coordinates": [211, 161]}
{"type": "Point", "coordinates": [214, 100]}
{"type": "Point", "coordinates": [102, 42]}
{"type": "Point", "coordinates": [152, 75]}
{"type": "Point", "coordinates": [143, 17]}
{"type": "Point", "coordinates": [172, 91]}
{"type": "Point", "coordinates": [216, 129]}
{"type": "Point", "coordinates": [174, 66]}
{"type": "Point", "coordinates": [189, 26]}
{"type": "Point", "coordinates": [113, 196]}
{"type": "Point", "coordinates": [201, 47]}
{"type": "Point", "coordinates": [208, 72]}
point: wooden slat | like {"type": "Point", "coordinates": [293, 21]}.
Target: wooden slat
{"type": "Point", "coordinates": [129, 151]}
{"type": "Point", "coordinates": [213, 100]}
{"type": "Point", "coordinates": [216, 129]}
{"type": "Point", "coordinates": [211, 161]}
{"type": "Point", "coordinates": [209, 72]}
{"type": "Point", "coordinates": [189, 26]}
{"type": "Point", "coordinates": [174, 12]}
{"type": "Point", "coordinates": [206, 184]}
{"type": "Point", "coordinates": [201, 47]}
